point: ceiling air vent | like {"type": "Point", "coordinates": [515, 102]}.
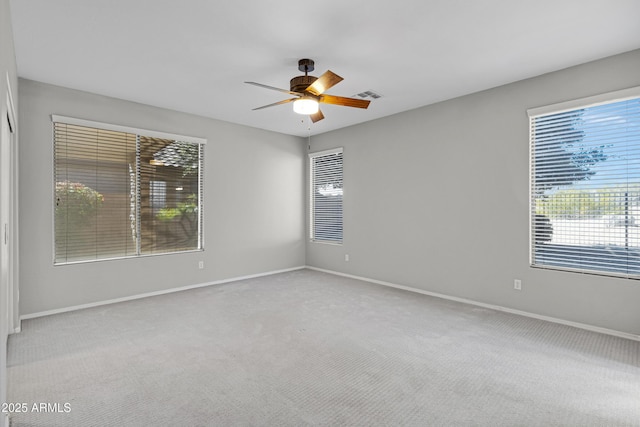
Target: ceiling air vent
{"type": "Point", "coordinates": [368, 94]}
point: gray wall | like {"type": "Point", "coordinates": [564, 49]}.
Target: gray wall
{"type": "Point", "coordinates": [253, 202]}
{"type": "Point", "coordinates": [437, 199]}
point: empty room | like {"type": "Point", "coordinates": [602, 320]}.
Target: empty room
{"type": "Point", "coordinates": [347, 213]}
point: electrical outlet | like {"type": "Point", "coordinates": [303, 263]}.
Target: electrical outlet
{"type": "Point", "coordinates": [200, 265]}
{"type": "Point", "coordinates": [346, 257]}
{"type": "Point", "coordinates": [517, 284]}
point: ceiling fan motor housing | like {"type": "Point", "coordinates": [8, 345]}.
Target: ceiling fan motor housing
{"type": "Point", "coordinates": [300, 83]}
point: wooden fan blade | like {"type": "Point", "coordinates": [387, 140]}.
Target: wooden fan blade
{"type": "Point", "coordinates": [317, 116]}
{"type": "Point", "coordinates": [324, 82]}
{"type": "Point", "coordinates": [275, 103]}
{"type": "Point", "coordinates": [347, 102]}
{"type": "Point", "coordinates": [275, 88]}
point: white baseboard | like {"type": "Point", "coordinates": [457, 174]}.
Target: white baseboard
{"type": "Point", "coordinates": [489, 306]}
{"type": "Point", "coordinates": [151, 294]}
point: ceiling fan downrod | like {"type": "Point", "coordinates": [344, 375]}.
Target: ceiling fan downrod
{"type": "Point", "coordinates": [306, 65]}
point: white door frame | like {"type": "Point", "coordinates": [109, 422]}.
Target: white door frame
{"type": "Point", "coordinates": [9, 224]}
{"type": "Point", "coordinates": [6, 246]}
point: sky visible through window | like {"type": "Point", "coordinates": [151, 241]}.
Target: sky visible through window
{"type": "Point", "coordinates": [615, 128]}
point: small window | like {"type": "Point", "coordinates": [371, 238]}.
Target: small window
{"type": "Point", "coordinates": [326, 196]}
{"type": "Point", "coordinates": [585, 185]}
{"type": "Point", "coordinates": [124, 194]}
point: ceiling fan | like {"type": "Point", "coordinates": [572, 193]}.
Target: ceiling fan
{"type": "Point", "coordinates": [309, 92]}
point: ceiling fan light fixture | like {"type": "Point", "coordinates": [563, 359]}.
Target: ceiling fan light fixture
{"type": "Point", "coordinates": [305, 105]}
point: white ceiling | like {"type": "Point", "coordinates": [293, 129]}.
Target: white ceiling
{"type": "Point", "coordinates": [194, 55]}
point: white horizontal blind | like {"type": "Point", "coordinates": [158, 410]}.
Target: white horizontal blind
{"type": "Point", "coordinates": [119, 194]}
{"type": "Point", "coordinates": [326, 196]}
{"type": "Point", "coordinates": [585, 188]}
{"type": "Point", "coordinates": [92, 193]}
{"type": "Point", "coordinates": [170, 196]}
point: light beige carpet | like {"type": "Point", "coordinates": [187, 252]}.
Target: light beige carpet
{"type": "Point", "coordinates": [309, 348]}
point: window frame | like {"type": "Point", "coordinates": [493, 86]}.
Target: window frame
{"type": "Point", "coordinates": [139, 132]}
{"type": "Point", "coordinates": [559, 108]}
{"type": "Point", "coordinates": [312, 217]}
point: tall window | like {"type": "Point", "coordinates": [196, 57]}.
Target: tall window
{"type": "Point", "coordinates": [326, 196]}
{"type": "Point", "coordinates": [585, 185]}
{"type": "Point", "coordinates": [123, 193]}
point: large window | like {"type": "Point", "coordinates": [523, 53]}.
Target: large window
{"type": "Point", "coordinates": [585, 185]}
{"type": "Point", "coordinates": [124, 193]}
{"type": "Point", "coordinates": [326, 196]}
